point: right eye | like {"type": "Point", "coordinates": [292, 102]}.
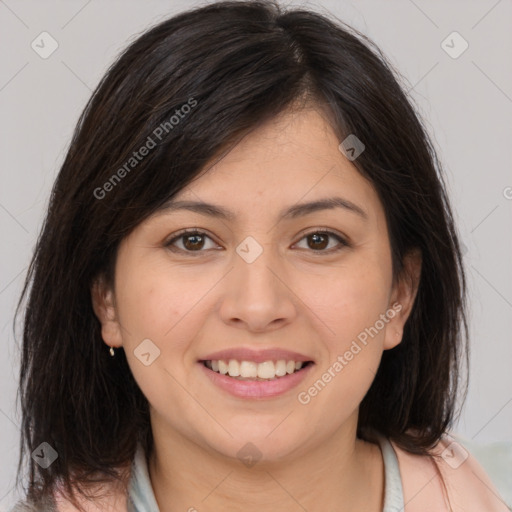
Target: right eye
{"type": "Point", "coordinates": [192, 239]}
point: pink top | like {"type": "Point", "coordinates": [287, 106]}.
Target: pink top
{"type": "Point", "coordinates": [468, 486]}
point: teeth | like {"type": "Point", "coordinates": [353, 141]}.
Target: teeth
{"type": "Point", "coordinates": [257, 371]}
{"type": "Point", "coordinates": [248, 369]}
{"type": "Point", "coordinates": [266, 370]}
{"type": "Point", "coordinates": [280, 368]}
{"type": "Point", "coordinates": [233, 368]}
{"type": "Point", "coordinates": [223, 367]}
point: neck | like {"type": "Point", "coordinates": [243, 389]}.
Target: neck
{"type": "Point", "coordinates": [342, 474]}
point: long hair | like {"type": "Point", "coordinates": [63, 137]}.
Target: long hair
{"type": "Point", "coordinates": [189, 93]}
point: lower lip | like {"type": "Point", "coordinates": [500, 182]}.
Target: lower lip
{"type": "Point", "coordinates": [257, 388]}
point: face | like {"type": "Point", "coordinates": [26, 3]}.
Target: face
{"type": "Point", "coordinates": [317, 284]}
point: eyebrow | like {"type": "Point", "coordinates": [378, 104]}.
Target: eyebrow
{"type": "Point", "coordinates": [291, 212]}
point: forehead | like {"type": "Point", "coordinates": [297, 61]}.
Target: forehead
{"type": "Point", "coordinates": [289, 160]}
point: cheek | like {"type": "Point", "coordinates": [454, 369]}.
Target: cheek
{"type": "Point", "coordinates": [164, 305]}
{"type": "Point", "coordinates": [150, 299]}
{"type": "Point", "coordinates": [353, 302]}
{"type": "Point", "coordinates": [353, 342]}
{"type": "Point", "coordinates": [144, 306]}
{"type": "Point", "coordinates": [153, 306]}
{"type": "Point", "coordinates": [352, 307]}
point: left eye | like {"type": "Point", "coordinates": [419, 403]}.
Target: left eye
{"type": "Point", "coordinates": [193, 241]}
{"type": "Point", "coordinates": [319, 238]}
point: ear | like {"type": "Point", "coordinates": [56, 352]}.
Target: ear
{"type": "Point", "coordinates": [402, 298]}
{"type": "Point", "coordinates": [103, 303]}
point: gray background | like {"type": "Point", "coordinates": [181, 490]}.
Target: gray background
{"type": "Point", "coordinates": [466, 102]}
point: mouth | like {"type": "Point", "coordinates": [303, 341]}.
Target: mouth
{"type": "Point", "coordinates": [252, 380]}
{"type": "Point", "coordinates": [256, 372]}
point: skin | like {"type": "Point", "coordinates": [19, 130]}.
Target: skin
{"type": "Point", "coordinates": [293, 296]}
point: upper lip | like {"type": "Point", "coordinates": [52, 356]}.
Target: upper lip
{"type": "Point", "coordinates": [258, 356]}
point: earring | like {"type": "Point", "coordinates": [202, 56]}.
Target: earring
{"type": "Point", "coordinates": [112, 351]}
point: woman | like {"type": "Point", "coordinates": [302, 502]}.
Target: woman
{"type": "Point", "coordinates": [248, 290]}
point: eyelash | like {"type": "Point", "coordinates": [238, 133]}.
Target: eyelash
{"type": "Point", "coordinates": [181, 234]}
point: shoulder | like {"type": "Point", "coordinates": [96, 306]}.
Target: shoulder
{"type": "Point", "coordinates": [468, 486]}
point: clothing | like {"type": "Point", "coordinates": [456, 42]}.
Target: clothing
{"type": "Point", "coordinates": [140, 492]}
{"type": "Point", "coordinates": [412, 482]}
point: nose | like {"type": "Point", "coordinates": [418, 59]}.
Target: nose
{"type": "Point", "coordinates": [258, 296]}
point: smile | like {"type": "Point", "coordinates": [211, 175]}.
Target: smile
{"type": "Point", "coordinates": [250, 370]}
{"type": "Point", "coordinates": [248, 379]}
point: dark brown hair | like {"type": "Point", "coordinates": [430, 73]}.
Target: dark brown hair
{"type": "Point", "coordinates": [258, 60]}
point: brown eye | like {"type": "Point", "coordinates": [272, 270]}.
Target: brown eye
{"type": "Point", "coordinates": [191, 241]}
{"type": "Point", "coordinates": [317, 241]}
